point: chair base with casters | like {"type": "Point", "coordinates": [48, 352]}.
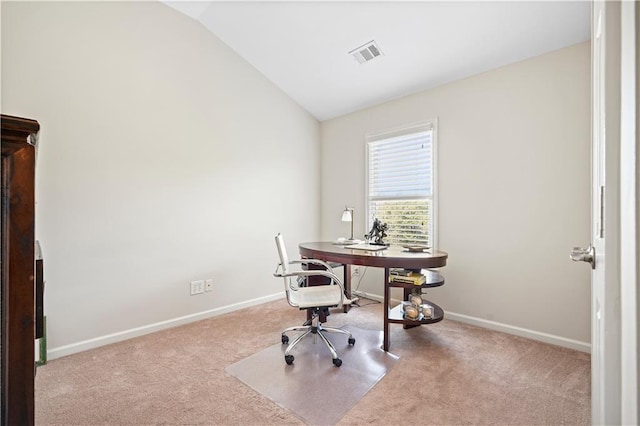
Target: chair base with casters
{"type": "Point", "coordinates": [317, 330]}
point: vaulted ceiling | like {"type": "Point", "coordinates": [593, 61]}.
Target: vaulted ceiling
{"type": "Point", "coordinates": [303, 47]}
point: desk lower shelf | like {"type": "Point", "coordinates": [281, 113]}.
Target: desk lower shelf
{"type": "Point", "coordinates": [396, 315]}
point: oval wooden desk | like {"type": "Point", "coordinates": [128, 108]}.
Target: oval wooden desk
{"type": "Point", "coordinates": [391, 257]}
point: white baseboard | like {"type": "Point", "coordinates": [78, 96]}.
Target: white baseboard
{"type": "Point", "coordinates": [375, 297]}
{"type": "Point", "coordinates": [146, 329]}
{"type": "Point", "coordinates": [505, 328]}
{"type": "Point", "coordinates": [522, 332]}
{"type": "Point", "coordinates": [139, 331]}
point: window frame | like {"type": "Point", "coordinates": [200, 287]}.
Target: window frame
{"type": "Point", "coordinates": [430, 124]}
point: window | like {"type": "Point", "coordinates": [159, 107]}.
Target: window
{"type": "Point", "coordinates": [401, 183]}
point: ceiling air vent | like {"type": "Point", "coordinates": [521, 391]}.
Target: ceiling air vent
{"type": "Point", "coordinates": [367, 52]}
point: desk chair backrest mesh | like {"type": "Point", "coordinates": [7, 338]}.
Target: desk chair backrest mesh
{"type": "Point", "coordinates": [311, 297]}
{"type": "Point", "coordinates": [282, 253]}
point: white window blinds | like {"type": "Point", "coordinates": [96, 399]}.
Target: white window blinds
{"type": "Point", "coordinates": [401, 184]}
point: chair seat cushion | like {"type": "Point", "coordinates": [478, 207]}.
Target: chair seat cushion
{"type": "Point", "coordinates": [316, 296]}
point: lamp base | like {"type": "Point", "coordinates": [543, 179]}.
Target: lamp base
{"type": "Point", "coordinates": [346, 241]}
{"type": "Point", "coordinates": [354, 241]}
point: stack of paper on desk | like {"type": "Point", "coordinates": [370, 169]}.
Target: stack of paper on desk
{"type": "Point", "coordinates": [366, 247]}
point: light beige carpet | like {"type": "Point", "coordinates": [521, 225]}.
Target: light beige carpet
{"type": "Point", "coordinates": [312, 387]}
{"type": "Point", "coordinates": [448, 373]}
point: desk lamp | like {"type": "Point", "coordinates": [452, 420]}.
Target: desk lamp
{"type": "Point", "coordinates": [347, 216]}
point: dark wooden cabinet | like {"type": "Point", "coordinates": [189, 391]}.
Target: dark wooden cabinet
{"type": "Point", "coordinates": [17, 290]}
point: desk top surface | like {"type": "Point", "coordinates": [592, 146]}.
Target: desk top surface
{"type": "Point", "coordinates": [391, 257]}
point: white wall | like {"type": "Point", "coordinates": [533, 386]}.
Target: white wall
{"type": "Point", "coordinates": [513, 189]}
{"type": "Point", "coordinates": [163, 159]}
{"type": "Point", "coordinates": [161, 163]}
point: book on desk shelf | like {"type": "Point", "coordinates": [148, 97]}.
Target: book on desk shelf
{"type": "Point", "coordinates": [407, 277]}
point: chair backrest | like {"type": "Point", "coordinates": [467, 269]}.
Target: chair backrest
{"type": "Point", "coordinates": [282, 252]}
{"type": "Point", "coordinates": [331, 295]}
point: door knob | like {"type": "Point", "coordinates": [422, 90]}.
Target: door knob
{"type": "Point", "coordinates": [581, 254]}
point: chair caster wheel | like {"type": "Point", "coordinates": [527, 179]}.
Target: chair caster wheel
{"type": "Point", "coordinates": [288, 359]}
{"type": "Point", "coordinates": [352, 341]}
{"type": "Point", "coordinates": [337, 362]}
{"type": "Point", "coordinates": [285, 339]}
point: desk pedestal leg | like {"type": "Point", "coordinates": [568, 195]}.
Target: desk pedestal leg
{"type": "Point", "coordinates": [385, 344]}
{"type": "Point", "coordinates": [347, 285]}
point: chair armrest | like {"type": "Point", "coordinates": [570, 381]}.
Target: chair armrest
{"type": "Point", "coordinates": [310, 273]}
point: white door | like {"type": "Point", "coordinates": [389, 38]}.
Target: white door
{"type": "Point", "coordinates": [613, 255]}
{"type": "Point", "coordinates": [629, 212]}
{"type": "Point", "coordinates": [603, 252]}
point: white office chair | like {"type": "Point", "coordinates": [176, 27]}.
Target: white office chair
{"type": "Point", "coordinates": [314, 298]}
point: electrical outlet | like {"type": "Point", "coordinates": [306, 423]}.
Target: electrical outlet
{"type": "Point", "coordinates": [356, 270]}
{"type": "Point", "coordinates": [197, 287]}
{"type": "Point", "coordinates": [208, 284]}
